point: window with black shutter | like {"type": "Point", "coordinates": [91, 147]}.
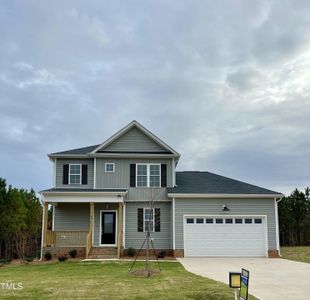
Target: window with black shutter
{"type": "Point", "coordinates": [163, 175]}
{"type": "Point", "coordinates": [157, 219]}
{"type": "Point", "coordinates": [65, 175]}
{"type": "Point", "coordinates": [140, 219]}
{"type": "Point", "coordinates": [84, 174]}
{"type": "Point", "coordinates": [133, 176]}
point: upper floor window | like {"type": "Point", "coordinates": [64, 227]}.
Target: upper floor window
{"type": "Point", "coordinates": [109, 167]}
{"type": "Point", "coordinates": [75, 174]}
{"type": "Point", "coordinates": [148, 175]}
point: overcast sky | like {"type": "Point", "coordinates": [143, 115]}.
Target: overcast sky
{"type": "Point", "coordinates": [225, 83]}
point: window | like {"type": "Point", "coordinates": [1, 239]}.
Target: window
{"type": "Point", "coordinates": [228, 221]}
{"type": "Point", "coordinates": [190, 221]}
{"type": "Point", "coordinates": [199, 220]}
{"type": "Point", "coordinates": [109, 167]}
{"type": "Point", "coordinates": [238, 221]}
{"type": "Point", "coordinates": [219, 221]}
{"type": "Point", "coordinates": [148, 220]}
{"type": "Point", "coordinates": [248, 221]}
{"type": "Point", "coordinates": [209, 221]}
{"type": "Point", "coordinates": [154, 175]}
{"type": "Point", "coordinates": [141, 175]}
{"type": "Point", "coordinates": [258, 221]}
{"type": "Point", "coordinates": [148, 175]}
{"type": "Point", "coordinates": [75, 174]}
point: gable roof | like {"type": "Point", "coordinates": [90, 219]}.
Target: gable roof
{"type": "Point", "coordinates": [112, 146]}
{"type": "Point", "coordinates": [195, 182]}
{"type": "Point", "coordinates": [162, 146]}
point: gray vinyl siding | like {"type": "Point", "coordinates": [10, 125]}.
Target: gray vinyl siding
{"type": "Point", "coordinates": [98, 207]}
{"type": "Point", "coordinates": [133, 238]}
{"type": "Point", "coordinates": [134, 140]}
{"type": "Point", "coordinates": [71, 216]}
{"type": "Point", "coordinates": [214, 207]}
{"type": "Point", "coordinates": [59, 172]}
{"type": "Point", "coordinates": [121, 176]}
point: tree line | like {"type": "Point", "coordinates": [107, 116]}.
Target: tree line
{"type": "Point", "coordinates": [294, 219]}
{"type": "Point", "coordinates": [20, 222]}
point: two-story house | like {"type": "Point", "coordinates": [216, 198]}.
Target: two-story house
{"type": "Point", "coordinates": [101, 199]}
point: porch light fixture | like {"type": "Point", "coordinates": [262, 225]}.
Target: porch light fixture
{"type": "Point", "coordinates": [225, 208]}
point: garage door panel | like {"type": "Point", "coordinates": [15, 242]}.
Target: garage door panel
{"type": "Point", "coordinates": [225, 239]}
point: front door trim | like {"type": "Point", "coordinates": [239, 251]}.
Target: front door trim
{"type": "Point", "coordinates": [116, 228]}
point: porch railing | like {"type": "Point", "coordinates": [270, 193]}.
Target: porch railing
{"type": "Point", "coordinates": [67, 238]}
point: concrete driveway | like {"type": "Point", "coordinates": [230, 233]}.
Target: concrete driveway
{"type": "Point", "coordinates": [270, 279]}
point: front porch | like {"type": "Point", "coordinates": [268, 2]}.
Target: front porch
{"type": "Point", "coordinates": [94, 229]}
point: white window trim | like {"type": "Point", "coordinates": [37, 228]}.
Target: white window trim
{"type": "Point", "coordinates": [75, 174]}
{"type": "Point", "coordinates": [148, 175]}
{"type": "Point", "coordinates": [148, 220]}
{"type": "Point", "coordinates": [105, 167]}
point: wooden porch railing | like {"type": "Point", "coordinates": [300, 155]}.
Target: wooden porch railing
{"type": "Point", "coordinates": [66, 238]}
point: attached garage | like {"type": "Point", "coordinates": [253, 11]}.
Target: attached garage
{"type": "Point", "coordinates": [218, 235]}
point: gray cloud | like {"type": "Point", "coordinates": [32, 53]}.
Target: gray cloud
{"type": "Point", "coordinates": [226, 84]}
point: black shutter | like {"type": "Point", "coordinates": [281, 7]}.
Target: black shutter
{"type": "Point", "coordinates": [140, 219]}
{"type": "Point", "coordinates": [84, 174]}
{"type": "Point", "coordinates": [132, 175]}
{"type": "Point", "coordinates": [65, 174]}
{"type": "Point", "coordinates": [157, 219]}
{"type": "Point", "coordinates": [163, 175]}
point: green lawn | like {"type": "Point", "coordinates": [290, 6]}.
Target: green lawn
{"type": "Point", "coordinates": [301, 254]}
{"type": "Point", "coordinates": [108, 280]}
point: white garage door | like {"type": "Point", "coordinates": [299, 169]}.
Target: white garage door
{"type": "Point", "coordinates": [225, 236]}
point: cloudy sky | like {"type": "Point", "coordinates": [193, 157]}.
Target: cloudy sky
{"type": "Point", "coordinates": [225, 83]}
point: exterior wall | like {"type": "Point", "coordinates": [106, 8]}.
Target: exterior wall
{"type": "Point", "coordinates": [59, 172]}
{"type": "Point", "coordinates": [133, 238]}
{"type": "Point", "coordinates": [121, 177]}
{"type": "Point", "coordinates": [214, 207]}
{"type": "Point", "coordinates": [71, 216]}
{"type": "Point", "coordinates": [98, 207]}
{"type": "Point", "coordinates": [134, 140]}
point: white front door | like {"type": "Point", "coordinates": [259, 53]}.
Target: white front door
{"type": "Point", "coordinates": [225, 236]}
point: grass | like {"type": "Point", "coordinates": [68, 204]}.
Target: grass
{"type": "Point", "coordinates": [301, 254]}
{"type": "Point", "coordinates": [108, 280]}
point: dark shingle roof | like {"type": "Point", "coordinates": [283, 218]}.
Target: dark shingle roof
{"type": "Point", "coordinates": [195, 182]}
{"type": "Point", "coordinates": [77, 151]}
{"type": "Point", "coordinates": [82, 190]}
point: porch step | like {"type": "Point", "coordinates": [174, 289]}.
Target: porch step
{"type": "Point", "coordinates": [102, 252]}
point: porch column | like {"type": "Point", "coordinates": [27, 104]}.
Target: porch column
{"type": "Point", "coordinates": [91, 220]}
{"type": "Point", "coordinates": [45, 222]}
{"type": "Point", "coordinates": [120, 230]}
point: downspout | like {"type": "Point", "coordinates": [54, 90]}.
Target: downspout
{"type": "Point", "coordinates": [277, 223]}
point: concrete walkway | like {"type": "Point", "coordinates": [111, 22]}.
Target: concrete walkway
{"type": "Point", "coordinates": [270, 279]}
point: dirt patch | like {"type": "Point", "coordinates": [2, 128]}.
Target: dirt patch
{"type": "Point", "coordinates": [144, 273]}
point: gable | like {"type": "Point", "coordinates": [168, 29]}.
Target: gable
{"type": "Point", "coordinates": [134, 140]}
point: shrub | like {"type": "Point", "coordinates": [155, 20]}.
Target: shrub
{"type": "Point", "coordinates": [28, 259]}
{"type": "Point", "coordinates": [4, 261]}
{"type": "Point", "coordinates": [73, 253]}
{"type": "Point", "coordinates": [131, 251]}
{"type": "Point", "coordinates": [48, 255]}
{"type": "Point", "coordinates": [62, 258]}
{"type": "Point", "coordinates": [161, 254]}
